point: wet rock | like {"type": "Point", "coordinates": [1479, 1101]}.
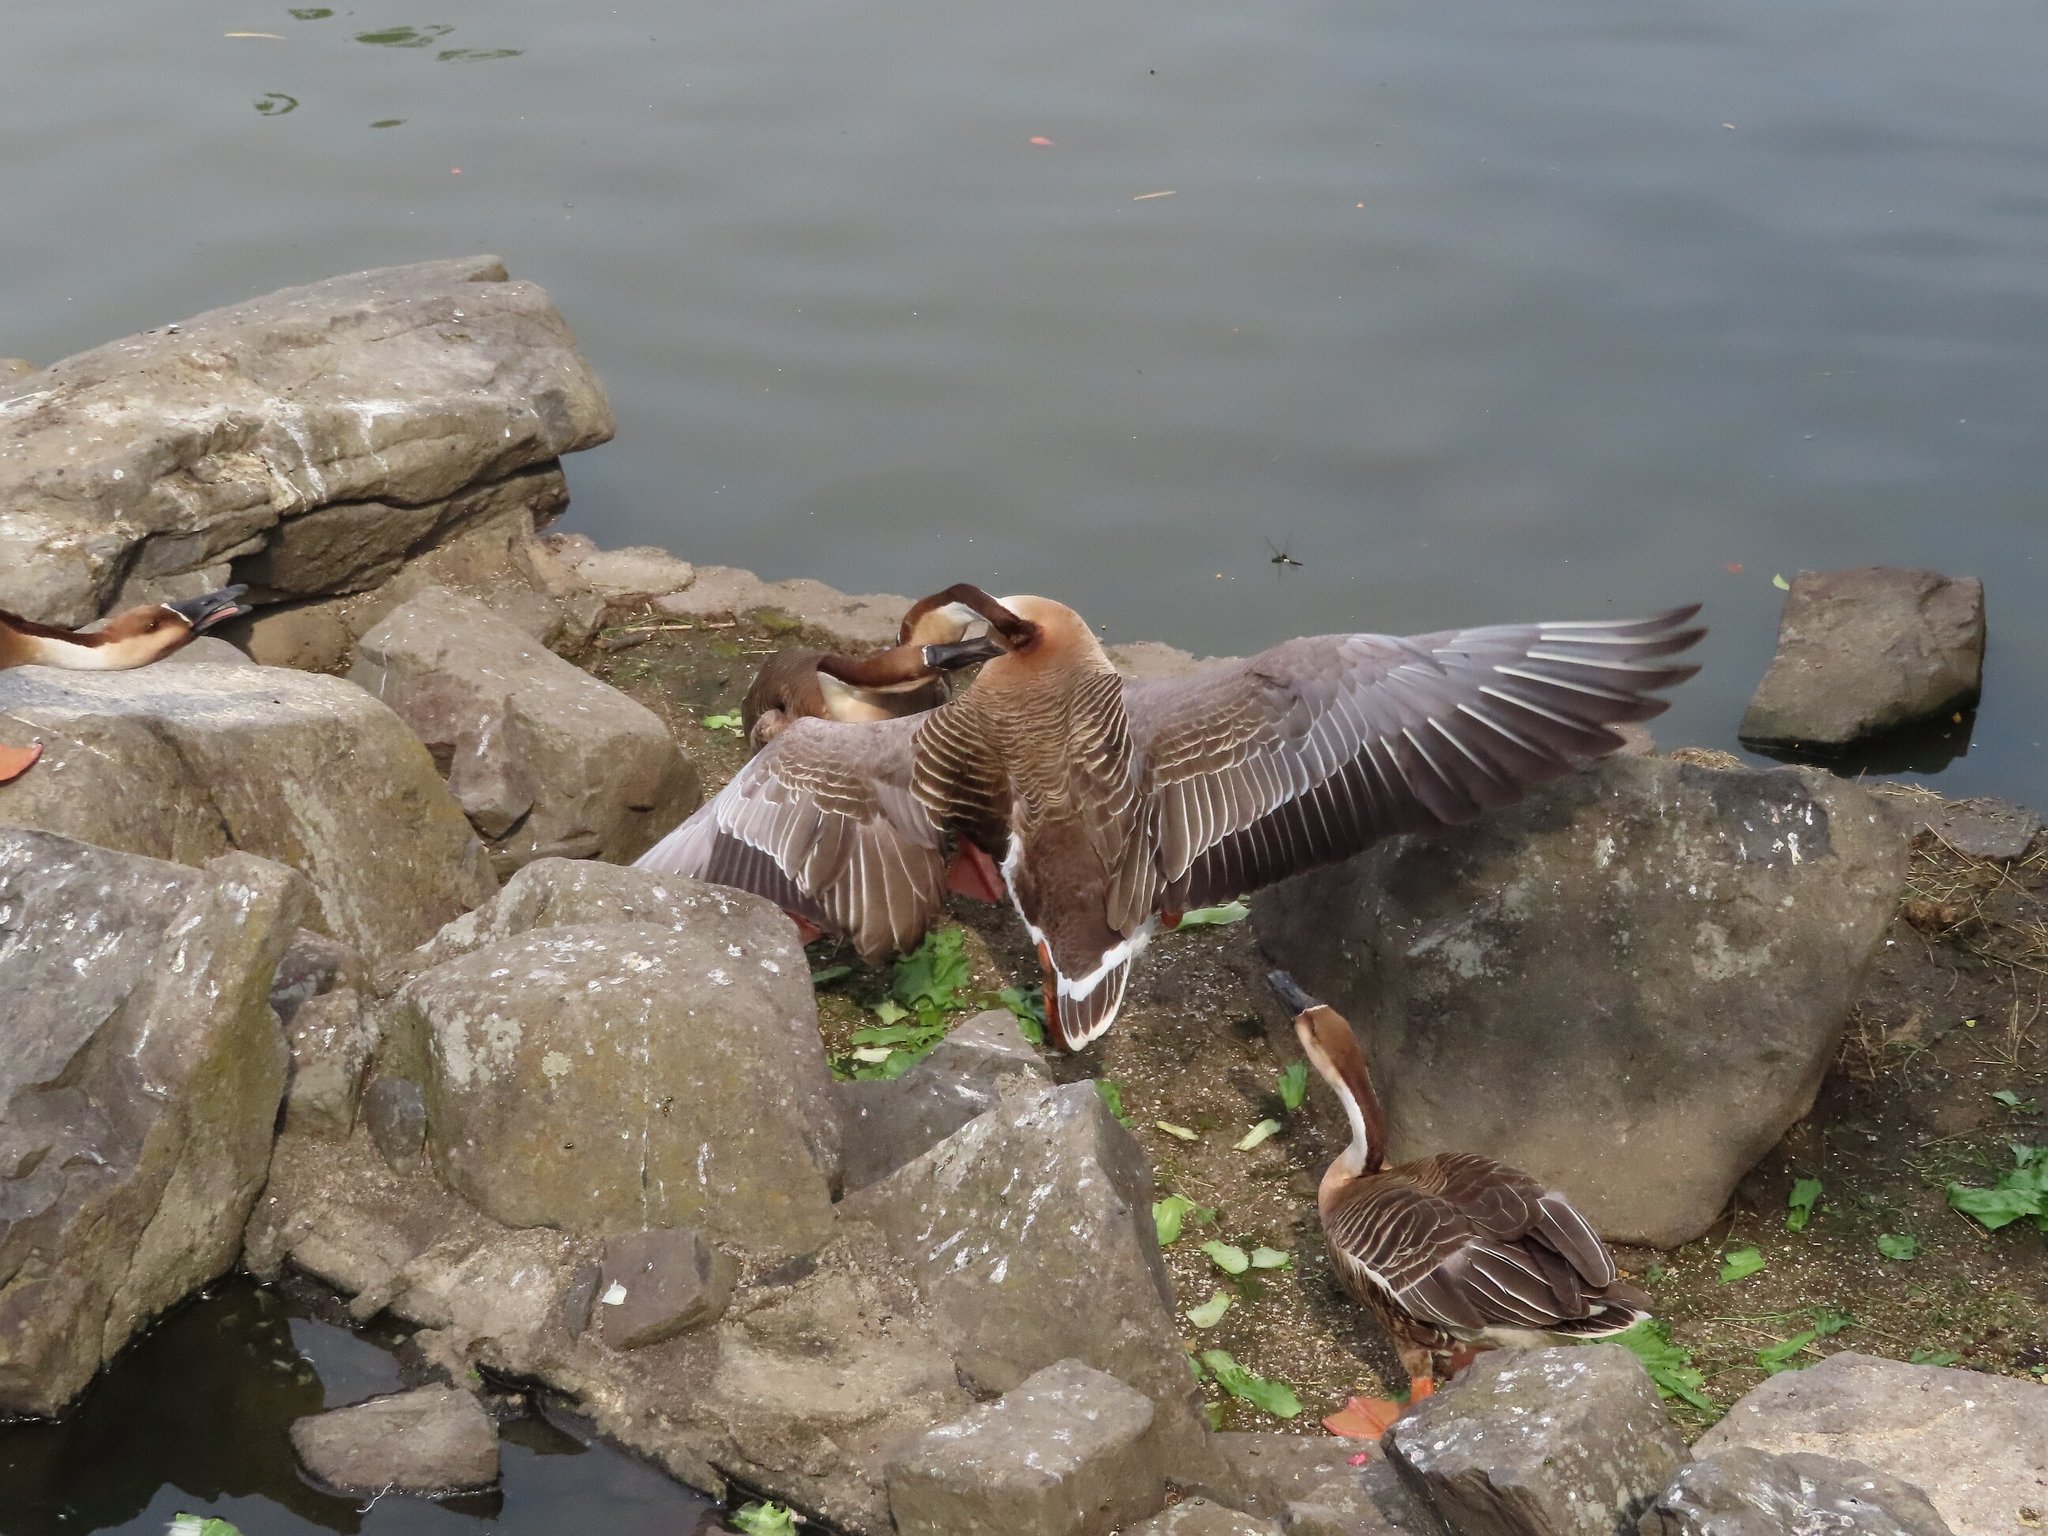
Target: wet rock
{"type": "Point", "coordinates": [1200, 1517]}
{"type": "Point", "coordinates": [492, 555]}
{"type": "Point", "coordinates": [502, 1295]}
{"type": "Point", "coordinates": [608, 1077]}
{"type": "Point", "coordinates": [1540, 1442]}
{"type": "Point", "coordinates": [1865, 651]}
{"type": "Point", "coordinates": [543, 758]}
{"type": "Point", "coordinates": [1753, 1493]}
{"type": "Point", "coordinates": [1069, 1451]}
{"type": "Point", "coordinates": [1029, 1233]}
{"type": "Point", "coordinates": [887, 1123]}
{"type": "Point", "coordinates": [1275, 1474]}
{"type": "Point", "coordinates": [130, 467]}
{"type": "Point", "coordinates": [184, 763]}
{"type": "Point", "coordinates": [140, 1073]}
{"type": "Point", "coordinates": [1666, 950]}
{"type": "Point", "coordinates": [395, 1111]}
{"type": "Point", "coordinates": [634, 574]}
{"type": "Point", "coordinates": [1976, 1445]}
{"type": "Point", "coordinates": [724, 592]}
{"type": "Point", "coordinates": [1979, 829]}
{"type": "Point", "coordinates": [655, 1285]}
{"type": "Point", "coordinates": [433, 1440]}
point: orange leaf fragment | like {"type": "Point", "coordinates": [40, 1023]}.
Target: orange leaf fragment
{"type": "Point", "coordinates": [1364, 1418]}
{"type": "Point", "coordinates": [1040, 141]}
{"type": "Point", "coordinates": [15, 761]}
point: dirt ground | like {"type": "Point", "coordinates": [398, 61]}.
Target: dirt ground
{"type": "Point", "coordinates": [1950, 1016]}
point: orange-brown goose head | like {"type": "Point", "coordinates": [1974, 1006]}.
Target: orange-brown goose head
{"type": "Point", "coordinates": [133, 638]}
{"type": "Point", "coordinates": [906, 679]}
{"type": "Point", "coordinates": [1331, 1047]}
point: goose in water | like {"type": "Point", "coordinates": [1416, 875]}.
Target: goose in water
{"type": "Point", "coordinates": [132, 638]}
{"type": "Point", "coordinates": [1451, 1250]}
{"type": "Point", "coordinates": [1114, 805]}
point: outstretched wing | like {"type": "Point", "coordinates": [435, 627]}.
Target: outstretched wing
{"type": "Point", "coordinates": [823, 822]}
{"type": "Point", "coordinates": [1314, 750]}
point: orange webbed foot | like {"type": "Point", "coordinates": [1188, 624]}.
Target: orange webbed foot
{"type": "Point", "coordinates": [973, 874]}
{"type": "Point", "coordinates": [15, 761]}
{"type": "Point", "coordinates": [1364, 1418]}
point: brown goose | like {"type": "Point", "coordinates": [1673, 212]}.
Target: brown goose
{"type": "Point", "coordinates": [907, 679]}
{"type": "Point", "coordinates": [1454, 1249]}
{"type": "Point", "coordinates": [1115, 805]}
{"type": "Point", "coordinates": [132, 638]}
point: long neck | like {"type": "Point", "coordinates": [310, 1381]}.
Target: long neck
{"type": "Point", "coordinates": [1338, 1058]}
{"type": "Point", "coordinates": [901, 666]}
{"type": "Point", "coordinates": [23, 643]}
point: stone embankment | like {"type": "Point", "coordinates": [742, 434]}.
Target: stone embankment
{"type": "Point", "coordinates": [268, 1003]}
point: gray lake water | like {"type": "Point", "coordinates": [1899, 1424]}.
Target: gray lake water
{"type": "Point", "coordinates": [1492, 310]}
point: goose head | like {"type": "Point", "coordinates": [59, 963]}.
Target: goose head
{"type": "Point", "coordinates": [1332, 1049]}
{"type": "Point", "coordinates": [132, 638]}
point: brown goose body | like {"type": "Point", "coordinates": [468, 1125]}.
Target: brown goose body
{"type": "Point", "coordinates": [1453, 1249]}
{"type": "Point", "coordinates": [132, 638]}
{"type": "Point", "coordinates": [1116, 804]}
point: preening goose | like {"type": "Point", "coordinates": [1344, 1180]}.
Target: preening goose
{"type": "Point", "coordinates": [907, 679]}
{"type": "Point", "coordinates": [1115, 805]}
{"type": "Point", "coordinates": [1454, 1249]}
{"type": "Point", "coordinates": [132, 638]}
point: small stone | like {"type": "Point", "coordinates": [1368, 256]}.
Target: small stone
{"type": "Point", "coordinates": [1069, 1451]}
{"type": "Point", "coordinates": [1753, 1493]}
{"type": "Point", "coordinates": [1201, 1517]}
{"type": "Point", "coordinates": [1979, 829]}
{"type": "Point", "coordinates": [1539, 1442]}
{"type": "Point", "coordinates": [668, 1280]}
{"type": "Point", "coordinates": [1976, 1445]}
{"type": "Point", "coordinates": [396, 1112]}
{"type": "Point", "coordinates": [888, 1122]}
{"type": "Point", "coordinates": [637, 573]}
{"type": "Point", "coordinates": [1866, 651]}
{"type": "Point", "coordinates": [330, 1044]}
{"type": "Point", "coordinates": [434, 1440]}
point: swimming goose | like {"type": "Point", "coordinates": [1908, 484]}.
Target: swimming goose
{"type": "Point", "coordinates": [906, 679]}
{"type": "Point", "coordinates": [132, 638]}
{"type": "Point", "coordinates": [1114, 805]}
{"type": "Point", "coordinates": [1453, 1249]}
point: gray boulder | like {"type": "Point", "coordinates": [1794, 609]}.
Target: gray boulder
{"type": "Point", "coordinates": [140, 1072]}
{"type": "Point", "coordinates": [1981, 828]}
{"type": "Point", "coordinates": [1307, 1481]}
{"type": "Point", "coordinates": [626, 1075]}
{"type": "Point", "coordinates": [887, 1122]}
{"type": "Point", "coordinates": [152, 463]}
{"type": "Point", "coordinates": [1865, 651]}
{"type": "Point", "coordinates": [543, 758]}
{"type": "Point", "coordinates": [1029, 1233]}
{"type": "Point", "coordinates": [635, 574]}
{"type": "Point", "coordinates": [1068, 1451]}
{"type": "Point", "coordinates": [184, 763]}
{"type": "Point", "coordinates": [1539, 1442]}
{"type": "Point", "coordinates": [1753, 1493]}
{"type": "Point", "coordinates": [655, 1285]}
{"type": "Point", "coordinates": [1664, 951]}
{"type": "Point", "coordinates": [433, 1440]}
{"type": "Point", "coordinates": [1976, 1445]}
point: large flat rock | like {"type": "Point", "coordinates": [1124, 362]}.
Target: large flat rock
{"type": "Point", "coordinates": [186, 762]}
{"type": "Point", "coordinates": [1744, 1492]}
{"type": "Point", "coordinates": [544, 759]}
{"type": "Point", "coordinates": [1976, 1445]}
{"type": "Point", "coordinates": [140, 1073]}
{"type": "Point", "coordinates": [1630, 985]}
{"type": "Point", "coordinates": [433, 1440]}
{"type": "Point", "coordinates": [160, 458]}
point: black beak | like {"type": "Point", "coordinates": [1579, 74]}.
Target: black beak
{"type": "Point", "coordinates": [962, 653]}
{"type": "Point", "coordinates": [1284, 988]}
{"type": "Point", "coordinates": [202, 613]}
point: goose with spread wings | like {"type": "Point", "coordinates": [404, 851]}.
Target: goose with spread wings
{"type": "Point", "coordinates": [1113, 805]}
{"type": "Point", "coordinates": [1453, 1249]}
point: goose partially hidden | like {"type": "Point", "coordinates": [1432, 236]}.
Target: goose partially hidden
{"type": "Point", "coordinates": [1451, 1250]}
{"type": "Point", "coordinates": [1113, 805]}
{"type": "Point", "coordinates": [132, 638]}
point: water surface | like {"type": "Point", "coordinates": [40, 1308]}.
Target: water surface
{"type": "Point", "coordinates": [1503, 309]}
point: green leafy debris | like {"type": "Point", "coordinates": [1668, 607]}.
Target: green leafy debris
{"type": "Point", "coordinates": [1899, 1245]}
{"type": "Point", "coordinates": [1933, 1357]}
{"type": "Point", "coordinates": [1227, 1257]}
{"type": "Point", "coordinates": [2021, 1191]}
{"type": "Point", "coordinates": [1800, 1206]}
{"type": "Point", "coordinates": [1113, 1097]}
{"type": "Point", "coordinates": [726, 722]}
{"type": "Point", "coordinates": [1778, 1357]}
{"type": "Point", "coordinates": [403, 37]}
{"type": "Point", "coordinates": [1270, 1258]}
{"type": "Point", "coordinates": [183, 1524]}
{"type": "Point", "coordinates": [826, 975]}
{"type": "Point", "coordinates": [1257, 1134]}
{"type": "Point", "coordinates": [1274, 1397]}
{"type": "Point", "coordinates": [1293, 1085]}
{"type": "Point", "coordinates": [763, 1520]}
{"type": "Point", "coordinates": [1210, 1312]}
{"type": "Point", "coordinates": [933, 974]}
{"type": "Point", "coordinates": [1028, 1005]}
{"type": "Point", "coordinates": [1670, 1365]}
{"type": "Point", "coordinates": [1179, 1131]}
{"type": "Point", "coordinates": [1216, 917]}
{"type": "Point", "coordinates": [1740, 1264]}
{"type": "Point", "coordinates": [1168, 1214]}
